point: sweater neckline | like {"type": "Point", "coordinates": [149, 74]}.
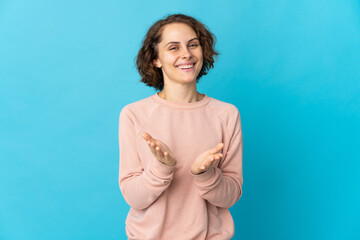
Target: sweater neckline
{"type": "Point", "coordinates": [190, 105]}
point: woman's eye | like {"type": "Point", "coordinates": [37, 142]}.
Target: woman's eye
{"type": "Point", "coordinates": [191, 45]}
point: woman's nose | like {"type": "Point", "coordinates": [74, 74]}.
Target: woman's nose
{"type": "Point", "coordinates": [186, 53]}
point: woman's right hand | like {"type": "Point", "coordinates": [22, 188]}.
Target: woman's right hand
{"type": "Point", "coordinates": [160, 150]}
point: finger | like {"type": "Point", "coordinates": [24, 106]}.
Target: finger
{"type": "Point", "coordinates": [167, 157]}
{"type": "Point", "coordinates": [151, 144]}
{"type": "Point", "coordinates": [150, 140]}
{"type": "Point", "coordinates": [205, 167]}
{"type": "Point", "coordinates": [217, 148]}
{"type": "Point", "coordinates": [206, 164]}
{"type": "Point", "coordinates": [159, 151]}
{"type": "Point", "coordinates": [153, 147]}
{"type": "Point", "coordinates": [217, 159]}
{"type": "Point", "coordinates": [146, 136]}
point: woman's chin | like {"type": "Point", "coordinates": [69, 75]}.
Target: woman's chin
{"type": "Point", "coordinates": [188, 78]}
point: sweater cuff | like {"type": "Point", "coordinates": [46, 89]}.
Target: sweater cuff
{"type": "Point", "coordinates": [205, 177]}
{"type": "Point", "coordinates": [160, 169]}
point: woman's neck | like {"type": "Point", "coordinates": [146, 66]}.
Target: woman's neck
{"type": "Point", "coordinates": [188, 98]}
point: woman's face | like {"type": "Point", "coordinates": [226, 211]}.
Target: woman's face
{"type": "Point", "coordinates": [179, 53]}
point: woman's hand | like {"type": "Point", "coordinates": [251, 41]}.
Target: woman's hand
{"type": "Point", "coordinates": [160, 150]}
{"type": "Point", "coordinates": [205, 160]}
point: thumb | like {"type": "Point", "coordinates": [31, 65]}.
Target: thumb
{"type": "Point", "coordinates": [217, 148]}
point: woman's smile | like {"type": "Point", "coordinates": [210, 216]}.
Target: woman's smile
{"type": "Point", "coordinates": [186, 67]}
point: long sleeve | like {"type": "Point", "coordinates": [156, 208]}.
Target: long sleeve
{"type": "Point", "coordinates": [222, 185]}
{"type": "Point", "coordinates": [140, 185]}
{"type": "Point", "coordinates": [193, 207]}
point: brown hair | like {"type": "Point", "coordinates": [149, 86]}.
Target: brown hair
{"type": "Point", "coordinates": [150, 74]}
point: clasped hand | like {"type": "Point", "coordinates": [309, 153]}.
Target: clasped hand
{"type": "Point", "coordinates": [201, 164]}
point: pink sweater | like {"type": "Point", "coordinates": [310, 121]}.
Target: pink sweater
{"type": "Point", "coordinates": [169, 202]}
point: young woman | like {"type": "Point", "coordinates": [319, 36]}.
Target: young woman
{"type": "Point", "coordinates": [180, 150]}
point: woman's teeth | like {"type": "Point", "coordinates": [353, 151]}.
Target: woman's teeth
{"type": "Point", "coordinates": [186, 66]}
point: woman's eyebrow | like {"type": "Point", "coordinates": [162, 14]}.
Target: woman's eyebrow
{"type": "Point", "coordinates": [179, 42]}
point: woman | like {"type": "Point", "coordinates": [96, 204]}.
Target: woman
{"type": "Point", "coordinates": [180, 150]}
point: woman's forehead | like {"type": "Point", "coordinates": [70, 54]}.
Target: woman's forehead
{"type": "Point", "coordinates": [177, 32]}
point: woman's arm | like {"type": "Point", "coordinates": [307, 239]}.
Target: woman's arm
{"type": "Point", "coordinates": [222, 186]}
{"type": "Point", "coordinates": [140, 185]}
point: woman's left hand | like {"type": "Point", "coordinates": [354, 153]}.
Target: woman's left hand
{"type": "Point", "coordinates": [205, 160]}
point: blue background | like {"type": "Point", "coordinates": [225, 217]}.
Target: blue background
{"type": "Point", "coordinates": [291, 67]}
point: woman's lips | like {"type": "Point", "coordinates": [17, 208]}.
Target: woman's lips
{"type": "Point", "coordinates": [186, 69]}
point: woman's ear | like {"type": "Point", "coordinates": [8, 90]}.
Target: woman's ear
{"type": "Point", "coordinates": [157, 63]}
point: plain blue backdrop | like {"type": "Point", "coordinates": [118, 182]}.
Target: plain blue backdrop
{"type": "Point", "coordinates": [291, 67]}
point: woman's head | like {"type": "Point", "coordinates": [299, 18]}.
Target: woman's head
{"type": "Point", "coordinates": [200, 50]}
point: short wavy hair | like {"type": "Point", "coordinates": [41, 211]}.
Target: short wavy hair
{"type": "Point", "coordinates": [150, 74]}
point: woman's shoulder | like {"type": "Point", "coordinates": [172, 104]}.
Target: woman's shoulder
{"type": "Point", "coordinates": [222, 106]}
{"type": "Point", "coordinates": [227, 112]}
{"type": "Point", "coordinates": [139, 110]}
{"type": "Point", "coordinates": [138, 105]}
